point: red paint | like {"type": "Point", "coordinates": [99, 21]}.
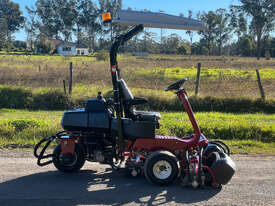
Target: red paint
{"type": "Point", "coordinates": [214, 182]}
{"type": "Point", "coordinates": [183, 97]}
{"type": "Point", "coordinates": [173, 143]}
{"type": "Point", "coordinates": [164, 143]}
{"type": "Point", "coordinates": [113, 69]}
{"type": "Point", "coordinates": [67, 146]}
{"type": "Point", "coordinates": [195, 161]}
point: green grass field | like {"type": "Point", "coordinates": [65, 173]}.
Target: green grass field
{"type": "Point", "coordinates": [245, 133]}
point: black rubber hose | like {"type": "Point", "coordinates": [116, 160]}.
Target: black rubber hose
{"type": "Point", "coordinates": [41, 155]}
{"type": "Point", "coordinates": [222, 145]}
{"type": "Point", "coordinates": [225, 146]}
{"type": "Point", "coordinates": [37, 146]}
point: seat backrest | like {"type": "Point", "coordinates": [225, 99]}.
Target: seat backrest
{"type": "Point", "coordinates": [126, 93]}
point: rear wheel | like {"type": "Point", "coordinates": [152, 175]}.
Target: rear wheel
{"type": "Point", "coordinates": [161, 168]}
{"type": "Point", "coordinates": [68, 162]}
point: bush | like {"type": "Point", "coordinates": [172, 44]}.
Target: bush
{"type": "Point", "coordinates": [267, 55]}
{"type": "Point", "coordinates": [14, 97]}
{"type": "Point", "coordinates": [209, 104]}
{"type": "Point", "coordinates": [102, 55]}
{"type": "Point", "coordinates": [21, 124]}
{"type": "Point", "coordinates": [50, 100]}
{"type": "Point", "coordinates": [184, 49]}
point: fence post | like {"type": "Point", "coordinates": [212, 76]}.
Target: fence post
{"type": "Point", "coordinates": [260, 85]}
{"type": "Point", "coordinates": [64, 86]}
{"type": "Point", "coordinates": [70, 78]}
{"type": "Point", "coordinates": [198, 79]}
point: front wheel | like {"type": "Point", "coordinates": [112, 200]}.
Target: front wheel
{"type": "Point", "coordinates": [161, 168]}
{"type": "Point", "coordinates": [68, 162]}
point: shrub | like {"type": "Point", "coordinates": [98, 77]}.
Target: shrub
{"type": "Point", "coordinates": [21, 124]}
{"type": "Point", "coordinates": [209, 104]}
{"type": "Point", "coordinates": [50, 100]}
{"type": "Point", "coordinates": [102, 55]}
{"type": "Point", "coordinates": [14, 97]}
{"type": "Point", "coordinates": [267, 55]}
{"type": "Point", "coordinates": [184, 48]}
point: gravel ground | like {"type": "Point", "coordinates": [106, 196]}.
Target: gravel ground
{"type": "Point", "coordinates": [22, 182]}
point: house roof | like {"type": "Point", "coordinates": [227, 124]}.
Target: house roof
{"type": "Point", "coordinates": [81, 46]}
{"type": "Point", "coordinates": [56, 42]}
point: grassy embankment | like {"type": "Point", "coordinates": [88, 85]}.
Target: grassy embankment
{"type": "Point", "coordinates": [245, 133]}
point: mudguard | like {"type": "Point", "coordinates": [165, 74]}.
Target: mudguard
{"type": "Point", "coordinates": [223, 169]}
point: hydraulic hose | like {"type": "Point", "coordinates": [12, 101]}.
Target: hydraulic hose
{"type": "Point", "coordinates": [41, 155]}
{"type": "Point", "coordinates": [222, 145]}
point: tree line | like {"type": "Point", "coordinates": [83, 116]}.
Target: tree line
{"type": "Point", "coordinates": [245, 29]}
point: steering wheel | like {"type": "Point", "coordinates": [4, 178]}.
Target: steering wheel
{"type": "Point", "coordinates": [176, 85]}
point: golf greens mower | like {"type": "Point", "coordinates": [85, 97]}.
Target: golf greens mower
{"type": "Point", "coordinates": [112, 132]}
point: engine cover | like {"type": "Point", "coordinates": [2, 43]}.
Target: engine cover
{"type": "Point", "coordinates": [95, 117]}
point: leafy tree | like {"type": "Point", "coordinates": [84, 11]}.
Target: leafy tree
{"type": "Point", "coordinates": [43, 45]}
{"type": "Point", "coordinates": [31, 28]}
{"type": "Point", "coordinates": [190, 33]}
{"type": "Point", "coordinates": [19, 44]}
{"type": "Point", "coordinates": [12, 15]}
{"type": "Point", "coordinates": [268, 46]}
{"type": "Point", "coordinates": [148, 43]}
{"type": "Point", "coordinates": [171, 43]}
{"type": "Point", "coordinates": [3, 32]}
{"type": "Point", "coordinates": [238, 22]}
{"type": "Point", "coordinates": [200, 48]}
{"type": "Point", "coordinates": [272, 47]}
{"type": "Point", "coordinates": [87, 20]}
{"type": "Point", "coordinates": [208, 34]}
{"type": "Point", "coordinates": [223, 30]}
{"type": "Point", "coordinates": [68, 14]}
{"type": "Point", "coordinates": [262, 13]}
{"type": "Point", "coordinates": [184, 48]}
{"type": "Point", "coordinates": [47, 11]}
{"type": "Point", "coordinates": [246, 46]}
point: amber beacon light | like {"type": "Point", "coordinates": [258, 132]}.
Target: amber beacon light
{"type": "Point", "coordinates": [106, 17]}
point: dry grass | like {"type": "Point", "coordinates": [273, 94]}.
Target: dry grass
{"type": "Point", "coordinates": [50, 71]}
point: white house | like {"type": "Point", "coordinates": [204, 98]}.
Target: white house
{"type": "Point", "coordinates": [71, 49]}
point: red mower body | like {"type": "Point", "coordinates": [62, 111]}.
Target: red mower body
{"type": "Point", "coordinates": [165, 143]}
